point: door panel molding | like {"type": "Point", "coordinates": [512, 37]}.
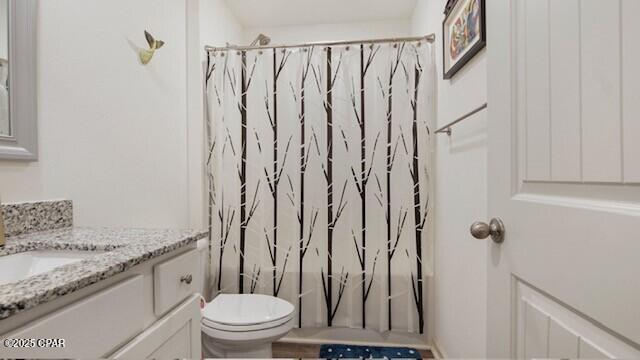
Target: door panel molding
{"type": "Point", "coordinates": [574, 96]}
{"type": "Point", "coordinates": [551, 327]}
{"type": "Point", "coordinates": [620, 208]}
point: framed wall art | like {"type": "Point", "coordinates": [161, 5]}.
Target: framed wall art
{"type": "Point", "coordinates": [464, 34]}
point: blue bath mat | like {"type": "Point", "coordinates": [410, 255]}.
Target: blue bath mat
{"type": "Point", "coordinates": [337, 351]}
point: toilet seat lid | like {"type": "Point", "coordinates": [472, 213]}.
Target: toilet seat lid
{"type": "Point", "coordinates": [246, 309]}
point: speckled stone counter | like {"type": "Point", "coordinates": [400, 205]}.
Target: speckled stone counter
{"type": "Point", "coordinates": [28, 217]}
{"type": "Point", "coordinates": [124, 248]}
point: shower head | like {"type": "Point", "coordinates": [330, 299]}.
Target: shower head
{"type": "Point", "coordinates": [262, 40]}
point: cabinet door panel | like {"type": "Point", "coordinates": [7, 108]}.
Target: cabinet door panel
{"type": "Point", "coordinates": [177, 335]}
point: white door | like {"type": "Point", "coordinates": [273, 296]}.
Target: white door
{"type": "Point", "coordinates": [564, 176]}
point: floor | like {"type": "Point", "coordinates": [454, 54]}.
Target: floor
{"type": "Point", "coordinates": [305, 351]}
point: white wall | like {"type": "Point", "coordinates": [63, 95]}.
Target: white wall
{"type": "Point", "coordinates": [218, 25]}
{"type": "Point", "coordinates": [460, 199]}
{"type": "Point", "coordinates": [210, 23]}
{"type": "Point", "coordinates": [4, 29]}
{"type": "Point", "coordinates": [4, 45]}
{"type": "Point", "coordinates": [113, 134]}
{"type": "Point", "coordinates": [330, 32]}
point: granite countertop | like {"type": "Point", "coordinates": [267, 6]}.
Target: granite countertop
{"type": "Point", "coordinates": [125, 248]}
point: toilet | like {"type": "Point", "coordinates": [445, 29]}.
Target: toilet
{"type": "Point", "coordinates": [244, 325]}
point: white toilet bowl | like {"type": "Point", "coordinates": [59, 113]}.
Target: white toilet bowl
{"type": "Point", "coordinates": [244, 325]}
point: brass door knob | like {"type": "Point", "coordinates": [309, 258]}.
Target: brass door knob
{"type": "Point", "coordinates": [495, 229]}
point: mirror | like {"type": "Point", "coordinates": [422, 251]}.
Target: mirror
{"type": "Point", "coordinates": [18, 85]}
{"type": "Point", "coordinates": [5, 124]}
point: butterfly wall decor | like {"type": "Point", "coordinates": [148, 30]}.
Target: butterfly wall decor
{"type": "Point", "coordinates": [147, 54]}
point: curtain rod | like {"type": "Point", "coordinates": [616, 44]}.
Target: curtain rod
{"type": "Point", "coordinates": [429, 38]}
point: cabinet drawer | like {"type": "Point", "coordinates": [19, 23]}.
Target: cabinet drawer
{"type": "Point", "coordinates": [91, 327]}
{"type": "Point", "coordinates": [174, 280]}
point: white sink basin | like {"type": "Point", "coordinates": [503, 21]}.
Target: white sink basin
{"type": "Point", "coordinates": [20, 266]}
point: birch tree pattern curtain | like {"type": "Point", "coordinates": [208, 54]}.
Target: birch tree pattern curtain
{"type": "Point", "coordinates": [319, 167]}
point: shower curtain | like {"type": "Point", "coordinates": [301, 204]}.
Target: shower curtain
{"type": "Point", "coordinates": [319, 168]}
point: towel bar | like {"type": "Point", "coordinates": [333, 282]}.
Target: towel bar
{"type": "Point", "coordinates": [447, 128]}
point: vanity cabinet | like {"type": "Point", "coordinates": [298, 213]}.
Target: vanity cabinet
{"type": "Point", "coordinates": [175, 336]}
{"type": "Point", "coordinates": [149, 311]}
{"type": "Point", "coordinates": [91, 326]}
